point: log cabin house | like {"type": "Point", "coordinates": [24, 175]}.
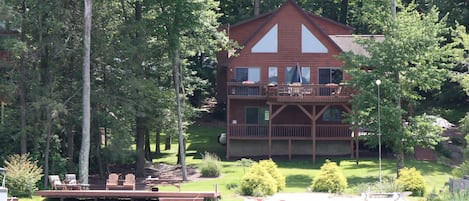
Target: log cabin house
{"type": "Point", "coordinates": [285, 91]}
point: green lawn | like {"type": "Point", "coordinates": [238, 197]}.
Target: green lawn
{"type": "Point", "coordinates": [299, 172]}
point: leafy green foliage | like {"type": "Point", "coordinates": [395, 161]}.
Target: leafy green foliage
{"type": "Point", "coordinates": [22, 175]}
{"type": "Point", "coordinates": [272, 168]}
{"type": "Point", "coordinates": [211, 165]}
{"type": "Point", "coordinates": [405, 68]}
{"type": "Point", "coordinates": [412, 180]}
{"type": "Point", "coordinates": [464, 125]}
{"type": "Point", "coordinates": [329, 179]}
{"type": "Point", "coordinates": [388, 185]}
{"type": "Point", "coordinates": [258, 182]}
{"type": "Point", "coordinates": [462, 170]}
{"type": "Point", "coordinates": [448, 196]}
{"type": "Point", "coordinates": [245, 162]}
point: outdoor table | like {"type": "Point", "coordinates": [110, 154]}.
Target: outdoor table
{"type": "Point", "coordinates": [157, 181]}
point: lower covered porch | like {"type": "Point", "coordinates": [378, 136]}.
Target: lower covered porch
{"type": "Point", "coordinates": [290, 129]}
{"type": "Point", "coordinates": [290, 140]}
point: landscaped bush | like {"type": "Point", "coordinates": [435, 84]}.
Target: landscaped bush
{"type": "Point", "coordinates": [258, 182]}
{"type": "Point", "coordinates": [211, 166]}
{"type": "Point", "coordinates": [329, 179]}
{"type": "Point", "coordinates": [388, 185]}
{"type": "Point", "coordinates": [245, 162]}
{"type": "Point", "coordinates": [412, 180]}
{"type": "Point", "coordinates": [272, 169]}
{"type": "Point", "coordinates": [462, 170]}
{"type": "Point", "coordinates": [22, 175]}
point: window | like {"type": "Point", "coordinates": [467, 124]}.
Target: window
{"type": "Point", "coordinates": [309, 42]}
{"type": "Point", "coordinates": [268, 43]}
{"type": "Point", "coordinates": [305, 74]}
{"type": "Point", "coordinates": [330, 75]}
{"type": "Point", "coordinates": [273, 75]}
{"type": "Point", "coordinates": [332, 113]}
{"type": "Point", "coordinates": [257, 115]}
{"type": "Point", "coordinates": [252, 74]}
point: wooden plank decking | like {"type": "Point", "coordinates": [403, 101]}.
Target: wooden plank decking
{"type": "Point", "coordinates": [127, 194]}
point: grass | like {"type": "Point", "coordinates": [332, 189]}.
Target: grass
{"type": "Point", "coordinates": [299, 173]}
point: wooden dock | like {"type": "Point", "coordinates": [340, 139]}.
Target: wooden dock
{"type": "Point", "coordinates": [132, 195]}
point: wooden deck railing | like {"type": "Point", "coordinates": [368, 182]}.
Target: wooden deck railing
{"type": "Point", "coordinates": [290, 131]}
{"type": "Point", "coordinates": [289, 93]}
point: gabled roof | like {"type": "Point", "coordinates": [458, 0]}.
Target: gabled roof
{"type": "Point", "coordinates": [312, 18]}
{"type": "Point", "coordinates": [347, 43]}
{"type": "Point", "coordinates": [262, 20]}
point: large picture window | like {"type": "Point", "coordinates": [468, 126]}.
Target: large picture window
{"type": "Point", "coordinates": [252, 74]}
{"type": "Point", "coordinates": [330, 75]}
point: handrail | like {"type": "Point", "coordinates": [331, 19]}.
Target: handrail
{"type": "Point", "coordinates": [296, 91]}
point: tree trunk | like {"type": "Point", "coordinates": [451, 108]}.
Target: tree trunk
{"type": "Point", "coordinates": [22, 89]}
{"type": "Point", "coordinates": [47, 150]}
{"type": "Point", "coordinates": [139, 141]}
{"type": "Point", "coordinates": [70, 147]}
{"type": "Point", "coordinates": [158, 140]}
{"type": "Point", "coordinates": [399, 162]}
{"type": "Point", "coordinates": [167, 142]}
{"type": "Point", "coordinates": [343, 12]}
{"type": "Point", "coordinates": [257, 4]}
{"type": "Point", "coordinates": [147, 147]}
{"type": "Point", "coordinates": [85, 139]}
{"type": "Point", "coordinates": [177, 81]}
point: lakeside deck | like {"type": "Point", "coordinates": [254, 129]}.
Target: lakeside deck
{"type": "Point", "coordinates": [129, 194]}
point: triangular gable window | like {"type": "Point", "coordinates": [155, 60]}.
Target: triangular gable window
{"type": "Point", "coordinates": [309, 42]}
{"type": "Point", "coordinates": [268, 43]}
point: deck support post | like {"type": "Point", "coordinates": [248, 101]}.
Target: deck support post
{"type": "Point", "coordinates": [228, 130]}
{"type": "Point", "coordinates": [357, 148]}
{"type": "Point", "coordinates": [313, 133]}
{"type": "Point", "coordinates": [270, 130]}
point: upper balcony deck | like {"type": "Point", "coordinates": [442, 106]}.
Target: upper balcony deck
{"type": "Point", "coordinates": [283, 93]}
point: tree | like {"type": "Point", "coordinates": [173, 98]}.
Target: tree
{"type": "Point", "coordinates": [85, 138]}
{"type": "Point", "coordinates": [190, 27]}
{"type": "Point", "coordinates": [415, 51]}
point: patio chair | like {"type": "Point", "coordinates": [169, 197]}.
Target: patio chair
{"type": "Point", "coordinates": [129, 181]}
{"type": "Point", "coordinates": [55, 183]}
{"type": "Point", "coordinates": [112, 181]}
{"type": "Point", "coordinates": [71, 178]}
{"type": "Point", "coordinates": [72, 182]}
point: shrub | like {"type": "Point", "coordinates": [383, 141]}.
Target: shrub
{"type": "Point", "coordinates": [258, 182]}
{"type": "Point", "coordinates": [462, 170]}
{"type": "Point", "coordinates": [388, 185]}
{"type": "Point", "coordinates": [272, 169]}
{"type": "Point", "coordinates": [231, 186]}
{"type": "Point", "coordinates": [245, 162]}
{"type": "Point", "coordinates": [464, 124]}
{"type": "Point", "coordinates": [22, 175]}
{"type": "Point", "coordinates": [412, 180]}
{"type": "Point", "coordinates": [448, 196]}
{"type": "Point", "coordinates": [211, 166]}
{"type": "Point", "coordinates": [329, 179]}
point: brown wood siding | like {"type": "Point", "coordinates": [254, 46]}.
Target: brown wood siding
{"type": "Point", "coordinates": [294, 117]}
{"type": "Point", "coordinates": [289, 48]}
